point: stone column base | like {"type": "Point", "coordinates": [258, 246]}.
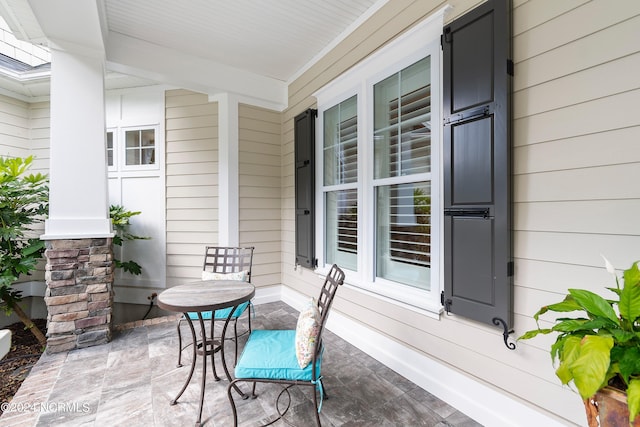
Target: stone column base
{"type": "Point", "coordinates": [79, 295]}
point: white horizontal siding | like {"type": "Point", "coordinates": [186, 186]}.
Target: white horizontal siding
{"type": "Point", "coordinates": [599, 115]}
{"type": "Point", "coordinates": [14, 128]}
{"type": "Point", "coordinates": [581, 87]}
{"type": "Point", "coordinates": [577, 152]}
{"type": "Point", "coordinates": [262, 214]}
{"type": "Point", "coordinates": [579, 54]}
{"type": "Point", "coordinates": [532, 14]}
{"type": "Point", "coordinates": [191, 182]}
{"type": "Point", "coordinates": [260, 189]}
{"type": "Point", "coordinates": [185, 192]}
{"type": "Point", "coordinates": [595, 183]}
{"type": "Point", "coordinates": [197, 145]}
{"type": "Point", "coordinates": [580, 216]}
{"type": "Point", "coordinates": [560, 29]}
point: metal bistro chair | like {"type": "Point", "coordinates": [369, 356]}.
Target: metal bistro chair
{"type": "Point", "coordinates": [224, 263]}
{"type": "Point", "coordinates": [289, 357]}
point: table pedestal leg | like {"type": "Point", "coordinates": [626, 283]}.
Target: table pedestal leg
{"type": "Point", "coordinates": [193, 359]}
{"type": "Point", "coordinates": [208, 347]}
{"type": "Point", "coordinates": [203, 383]}
{"type": "Point", "coordinates": [224, 363]}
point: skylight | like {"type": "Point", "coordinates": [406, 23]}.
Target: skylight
{"type": "Point", "coordinates": [29, 54]}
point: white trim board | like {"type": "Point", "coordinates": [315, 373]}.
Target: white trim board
{"type": "Point", "coordinates": [484, 404]}
{"type": "Point", "coordinates": [5, 342]}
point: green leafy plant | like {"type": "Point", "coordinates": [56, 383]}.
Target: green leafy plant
{"type": "Point", "coordinates": [601, 345]}
{"type": "Point", "coordinates": [120, 218]}
{"type": "Point", "coordinates": [23, 205]}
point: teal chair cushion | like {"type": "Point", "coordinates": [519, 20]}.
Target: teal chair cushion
{"type": "Point", "coordinates": [271, 354]}
{"type": "Point", "coordinates": [221, 314]}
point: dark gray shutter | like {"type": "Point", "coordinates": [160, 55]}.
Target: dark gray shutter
{"type": "Point", "coordinates": [477, 165]}
{"type": "Point", "coordinates": [305, 137]}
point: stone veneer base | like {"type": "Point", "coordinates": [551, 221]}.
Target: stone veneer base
{"type": "Point", "coordinates": [79, 294]}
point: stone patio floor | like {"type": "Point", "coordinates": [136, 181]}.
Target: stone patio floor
{"type": "Point", "coordinates": [131, 381]}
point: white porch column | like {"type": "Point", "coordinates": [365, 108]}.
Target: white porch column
{"type": "Point", "coordinates": [78, 199]}
{"type": "Point", "coordinates": [228, 170]}
{"type": "Point", "coordinates": [79, 268]}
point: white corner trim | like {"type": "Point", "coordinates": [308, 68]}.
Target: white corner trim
{"type": "Point", "coordinates": [5, 342]}
{"type": "Point", "coordinates": [483, 403]}
{"type": "Point", "coordinates": [228, 171]}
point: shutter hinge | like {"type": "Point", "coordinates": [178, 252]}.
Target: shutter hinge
{"type": "Point", "coordinates": [446, 303]}
{"type": "Point", "coordinates": [510, 269]}
{"type": "Point", "coordinates": [468, 115]}
{"type": "Point", "coordinates": [446, 36]}
{"type": "Point", "coordinates": [510, 67]}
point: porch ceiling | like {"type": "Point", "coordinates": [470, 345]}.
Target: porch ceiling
{"type": "Point", "coordinates": [248, 47]}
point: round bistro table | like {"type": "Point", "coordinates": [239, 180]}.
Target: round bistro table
{"type": "Point", "coordinates": [199, 297]}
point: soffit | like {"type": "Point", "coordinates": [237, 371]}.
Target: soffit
{"type": "Point", "coordinates": [272, 38]}
{"type": "Point", "coordinates": [253, 48]}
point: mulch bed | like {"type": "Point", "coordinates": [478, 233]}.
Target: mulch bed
{"type": "Point", "coordinates": [16, 365]}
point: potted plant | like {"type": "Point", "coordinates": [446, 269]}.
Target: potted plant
{"type": "Point", "coordinates": [598, 348]}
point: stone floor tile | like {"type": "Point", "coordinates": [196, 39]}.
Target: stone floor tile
{"type": "Point", "coordinates": [132, 381]}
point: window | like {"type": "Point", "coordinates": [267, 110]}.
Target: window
{"type": "Point", "coordinates": [378, 193]}
{"type": "Point", "coordinates": [132, 149]}
{"type": "Point", "coordinates": [110, 160]}
{"type": "Point", "coordinates": [402, 162]}
{"type": "Point", "coordinates": [140, 147]}
{"type": "Point", "coordinates": [340, 162]}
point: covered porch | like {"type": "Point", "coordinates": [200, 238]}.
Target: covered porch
{"type": "Point", "coordinates": [220, 88]}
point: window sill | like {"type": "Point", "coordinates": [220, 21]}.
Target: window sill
{"type": "Point", "coordinates": [433, 311]}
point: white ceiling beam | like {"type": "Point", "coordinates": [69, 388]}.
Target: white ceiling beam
{"type": "Point", "coordinates": [143, 59]}
{"type": "Point", "coordinates": [71, 24]}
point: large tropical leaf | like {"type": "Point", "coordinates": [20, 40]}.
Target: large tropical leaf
{"type": "Point", "coordinates": [594, 304]}
{"type": "Point", "coordinates": [569, 351]}
{"type": "Point", "coordinates": [534, 332]}
{"type": "Point", "coordinates": [589, 369]}
{"type": "Point", "coordinates": [633, 398]}
{"type": "Point", "coordinates": [567, 305]}
{"type": "Point", "coordinates": [632, 275]}
{"type": "Point", "coordinates": [575, 325]}
{"type": "Point", "coordinates": [629, 305]}
{"type": "Point", "coordinates": [628, 361]}
{"type": "Point", "coordinates": [621, 336]}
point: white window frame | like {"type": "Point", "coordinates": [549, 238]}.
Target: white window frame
{"type": "Point", "coordinates": [114, 149]}
{"type": "Point", "coordinates": [421, 41]}
{"type": "Point", "coordinates": [122, 149]}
